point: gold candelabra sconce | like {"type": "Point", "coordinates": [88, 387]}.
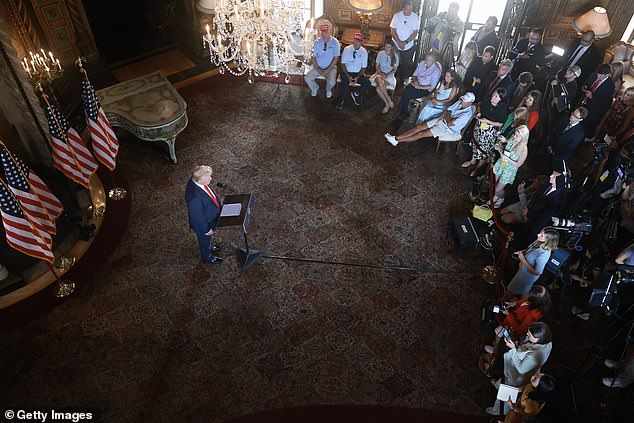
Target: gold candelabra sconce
{"type": "Point", "coordinates": [365, 19]}
{"type": "Point", "coordinates": [42, 68]}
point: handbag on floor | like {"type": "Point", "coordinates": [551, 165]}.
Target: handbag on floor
{"type": "Point", "coordinates": [483, 212]}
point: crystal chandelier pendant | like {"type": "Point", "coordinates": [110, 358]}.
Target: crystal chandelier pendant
{"type": "Point", "coordinates": [259, 38]}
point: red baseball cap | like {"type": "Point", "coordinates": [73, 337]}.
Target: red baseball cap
{"type": "Point", "coordinates": [324, 28]}
{"type": "Point", "coordinates": [358, 36]}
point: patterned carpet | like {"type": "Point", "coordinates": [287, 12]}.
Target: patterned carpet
{"type": "Point", "coordinates": [158, 336]}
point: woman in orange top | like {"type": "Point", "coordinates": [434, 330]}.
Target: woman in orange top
{"type": "Point", "coordinates": [518, 316]}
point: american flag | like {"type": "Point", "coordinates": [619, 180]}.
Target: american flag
{"type": "Point", "coordinates": [104, 142]}
{"type": "Point", "coordinates": [70, 154]}
{"type": "Point", "coordinates": [23, 232]}
{"type": "Point", "coordinates": [30, 190]}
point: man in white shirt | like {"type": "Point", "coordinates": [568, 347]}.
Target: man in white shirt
{"type": "Point", "coordinates": [354, 60]}
{"type": "Point", "coordinates": [404, 28]}
{"type": "Point", "coordinates": [324, 61]}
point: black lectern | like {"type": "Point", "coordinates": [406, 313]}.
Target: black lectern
{"type": "Point", "coordinates": [246, 257]}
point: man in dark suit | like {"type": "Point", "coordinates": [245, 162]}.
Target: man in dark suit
{"type": "Point", "coordinates": [498, 79]}
{"type": "Point", "coordinates": [565, 138]}
{"type": "Point", "coordinates": [598, 93]}
{"type": "Point", "coordinates": [203, 207]}
{"type": "Point", "coordinates": [583, 52]}
{"type": "Point", "coordinates": [546, 202]}
{"type": "Point", "coordinates": [528, 54]}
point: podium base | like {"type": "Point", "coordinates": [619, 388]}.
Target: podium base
{"type": "Point", "coordinates": [247, 258]}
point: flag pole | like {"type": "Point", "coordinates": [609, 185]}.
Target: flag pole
{"type": "Point", "coordinates": [94, 212]}
{"type": "Point", "coordinates": [62, 261]}
{"type": "Point", "coordinates": [64, 288]}
{"type": "Point", "coordinates": [116, 193]}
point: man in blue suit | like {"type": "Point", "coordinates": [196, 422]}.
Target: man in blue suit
{"type": "Point", "coordinates": [203, 207]}
{"type": "Point", "coordinates": [566, 137]}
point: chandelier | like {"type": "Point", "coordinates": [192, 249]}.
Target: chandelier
{"type": "Point", "coordinates": [258, 37]}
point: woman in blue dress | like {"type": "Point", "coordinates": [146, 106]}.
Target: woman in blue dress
{"type": "Point", "coordinates": [442, 98]}
{"type": "Point", "coordinates": [532, 262]}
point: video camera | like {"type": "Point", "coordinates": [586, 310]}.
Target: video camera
{"type": "Point", "coordinates": [575, 229]}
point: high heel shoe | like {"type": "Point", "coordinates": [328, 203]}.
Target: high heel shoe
{"type": "Point", "coordinates": [467, 164]}
{"type": "Point", "coordinates": [386, 109]}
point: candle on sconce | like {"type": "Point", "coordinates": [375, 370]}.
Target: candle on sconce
{"type": "Point", "coordinates": [58, 64]}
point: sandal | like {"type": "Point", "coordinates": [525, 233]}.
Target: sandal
{"type": "Point", "coordinates": [386, 109]}
{"type": "Point", "coordinates": [467, 164]}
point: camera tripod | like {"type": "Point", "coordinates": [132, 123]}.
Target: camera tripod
{"type": "Point", "coordinates": [588, 176]}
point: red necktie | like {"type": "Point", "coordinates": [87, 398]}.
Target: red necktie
{"type": "Point", "coordinates": [595, 85]}
{"type": "Point", "coordinates": [211, 194]}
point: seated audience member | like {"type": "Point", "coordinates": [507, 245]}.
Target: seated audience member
{"type": "Point", "coordinates": [523, 361]}
{"type": "Point", "coordinates": [354, 60]}
{"type": "Point", "coordinates": [447, 127]}
{"type": "Point", "coordinates": [621, 114]}
{"type": "Point", "coordinates": [521, 87]}
{"type": "Point", "coordinates": [479, 69]}
{"type": "Point", "coordinates": [597, 97]}
{"type": "Point", "coordinates": [444, 95]}
{"type": "Point", "coordinates": [489, 120]}
{"type": "Point", "coordinates": [516, 212]}
{"type": "Point", "coordinates": [566, 137]}
{"type": "Point", "coordinates": [513, 153]}
{"type": "Point", "coordinates": [564, 91]}
{"type": "Point", "coordinates": [517, 316]}
{"type": "Point", "coordinates": [624, 371]}
{"type": "Point", "coordinates": [486, 36]}
{"type": "Point", "coordinates": [528, 54]}
{"type": "Point", "coordinates": [423, 82]}
{"type": "Point", "coordinates": [324, 61]}
{"type": "Point", "coordinates": [532, 399]}
{"type": "Point", "coordinates": [386, 67]}
{"type": "Point", "coordinates": [533, 261]}
{"type": "Point", "coordinates": [469, 53]}
{"type": "Point", "coordinates": [498, 79]}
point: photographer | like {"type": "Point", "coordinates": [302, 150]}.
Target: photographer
{"type": "Point", "coordinates": [528, 54]}
{"type": "Point", "coordinates": [522, 361]}
{"type": "Point", "coordinates": [613, 180]}
{"type": "Point", "coordinates": [444, 28]}
{"type": "Point", "coordinates": [515, 317]}
{"type": "Point", "coordinates": [582, 276]}
{"type": "Point", "coordinates": [564, 90]}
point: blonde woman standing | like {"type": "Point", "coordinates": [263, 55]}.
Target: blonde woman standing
{"type": "Point", "coordinates": [514, 152]}
{"type": "Point", "coordinates": [533, 260]}
{"type": "Point", "coordinates": [386, 67]}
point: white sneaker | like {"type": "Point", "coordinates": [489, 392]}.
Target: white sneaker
{"type": "Point", "coordinates": [488, 348]}
{"type": "Point", "coordinates": [575, 310]}
{"type": "Point", "coordinates": [584, 316]}
{"type": "Point", "coordinates": [328, 94]}
{"type": "Point", "coordinates": [497, 202]}
{"type": "Point", "coordinates": [610, 364]}
{"type": "Point", "coordinates": [611, 382]}
{"type": "Point", "coordinates": [491, 411]}
{"type": "Point", "coordinates": [313, 93]}
{"type": "Point", "coordinates": [391, 139]}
